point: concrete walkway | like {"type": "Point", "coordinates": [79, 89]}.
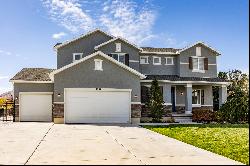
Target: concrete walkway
{"type": "Point", "coordinates": [45, 143]}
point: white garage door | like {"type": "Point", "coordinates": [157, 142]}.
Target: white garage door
{"type": "Point", "coordinates": [92, 106]}
{"type": "Point", "coordinates": [36, 107]}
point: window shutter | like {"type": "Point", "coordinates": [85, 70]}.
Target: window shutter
{"type": "Point", "coordinates": [205, 63]}
{"type": "Point", "coordinates": [127, 59]}
{"type": "Point", "coordinates": [190, 63]}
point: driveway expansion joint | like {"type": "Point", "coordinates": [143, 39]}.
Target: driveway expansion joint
{"type": "Point", "coordinates": [38, 144]}
{"type": "Point", "coordinates": [124, 147]}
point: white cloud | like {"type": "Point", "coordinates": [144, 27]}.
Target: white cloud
{"type": "Point", "coordinates": [58, 35]}
{"type": "Point", "coordinates": [5, 89]}
{"type": "Point", "coordinates": [124, 18]}
{"type": "Point", "coordinates": [69, 14]}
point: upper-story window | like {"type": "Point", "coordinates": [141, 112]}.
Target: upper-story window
{"type": "Point", "coordinates": [144, 60]}
{"type": "Point", "coordinates": [156, 60]}
{"type": "Point", "coordinates": [119, 57]}
{"type": "Point", "coordinates": [198, 63]}
{"type": "Point", "coordinates": [98, 64]}
{"type": "Point", "coordinates": [77, 56]}
{"type": "Point", "coordinates": [118, 47]}
{"type": "Point", "coordinates": [169, 60]}
{"type": "Point", "coordinates": [198, 51]}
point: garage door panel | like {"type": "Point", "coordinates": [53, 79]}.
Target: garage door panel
{"type": "Point", "coordinates": [36, 107]}
{"type": "Point", "coordinates": [97, 107]}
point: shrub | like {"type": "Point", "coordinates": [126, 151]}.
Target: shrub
{"type": "Point", "coordinates": [236, 108]}
{"type": "Point", "coordinates": [203, 116]}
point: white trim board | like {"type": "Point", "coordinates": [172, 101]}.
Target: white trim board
{"type": "Point", "coordinates": [117, 38]}
{"type": "Point", "coordinates": [159, 53]}
{"type": "Point", "coordinates": [95, 54]}
{"type": "Point", "coordinates": [33, 82]}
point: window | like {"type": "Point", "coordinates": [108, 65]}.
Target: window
{"type": "Point", "coordinates": [156, 60]}
{"type": "Point", "coordinates": [202, 97]}
{"type": "Point", "coordinates": [118, 47]}
{"type": "Point", "coordinates": [98, 64]}
{"type": "Point", "coordinates": [169, 60]}
{"type": "Point", "coordinates": [198, 51]}
{"type": "Point", "coordinates": [196, 97]}
{"type": "Point", "coordinates": [144, 60]}
{"type": "Point", "coordinates": [119, 57]}
{"type": "Point", "coordinates": [198, 64]}
{"type": "Point", "coordinates": [77, 56]}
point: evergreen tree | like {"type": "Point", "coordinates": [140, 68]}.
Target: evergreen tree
{"type": "Point", "coordinates": [155, 103]}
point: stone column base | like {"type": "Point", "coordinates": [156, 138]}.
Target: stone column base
{"type": "Point", "coordinates": [58, 113]}
{"type": "Point", "coordinates": [135, 113]}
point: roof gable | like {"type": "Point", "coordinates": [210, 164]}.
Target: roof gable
{"type": "Point", "coordinates": [118, 38]}
{"type": "Point", "coordinates": [95, 54]}
{"type": "Point", "coordinates": [59, 45]}
{"type": "Point", "coordinates": [201, 43]}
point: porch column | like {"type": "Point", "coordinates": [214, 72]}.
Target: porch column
{"type": "Point", "coordinates": [222, 94]}
{"type": "Point", "coordinates": [167, 94]}
{"type": "Point", "coordinates": [188, 99]}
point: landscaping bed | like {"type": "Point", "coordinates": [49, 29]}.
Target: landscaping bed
{"type": "Point", "coordinates": [229, 140]}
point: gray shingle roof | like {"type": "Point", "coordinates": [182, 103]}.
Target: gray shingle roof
{"type": "Point", "coordinates": [152, 49]}
{"type": "Point", "coordinates": [33, 74]}
{"type": "Point", "coordinates": [177, 78]}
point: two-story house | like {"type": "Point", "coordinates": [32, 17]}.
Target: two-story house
{"type": "Point", "coordinates": [101, 78]}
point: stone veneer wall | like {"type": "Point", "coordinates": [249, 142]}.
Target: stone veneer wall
{"type": "Point", "coordinates": [203, 108]}
{"type": "Point", "coordinates": [166, 112]}
{"type": "Point", "coordinates": [58, 111]}
{"type": "Point", "coordinates": [135, 110]}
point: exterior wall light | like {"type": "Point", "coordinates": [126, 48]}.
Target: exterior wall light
{"type": "Point", "coordinates": [181, 93]}
{"type": "Point", "coordinates": [135, 96]}
{"type": "Point", "coordinates": [58, 95]}
{"type": "Point", "coordinates": [16, 98]}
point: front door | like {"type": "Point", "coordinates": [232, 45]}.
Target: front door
{"type": "Point", "coordinates": [173, 99]}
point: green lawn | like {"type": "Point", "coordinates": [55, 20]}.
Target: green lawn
{"type": "Point", "coordinates": [229, 140]}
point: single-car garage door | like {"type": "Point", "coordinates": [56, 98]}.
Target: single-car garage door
{"type": "Point", "coordinates": [35, 106]}
{"type": "Point", "coordinates": [97, 106]}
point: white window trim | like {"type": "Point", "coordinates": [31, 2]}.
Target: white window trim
{"type": "Point", "coordinates": [119, 54]}
{"type": "Point", "coordinates": [154, 57]}
{"type": "Point", "coordinates": [116, 46]}
{"type": "Point", "coordinates": [144, 57]}
{"type": "Point", "coordinates": [167, 60]}
{"type": "Point", "coordinates": [96, 67]}
{"type": "Point", "coordinates": [74, 54]}
{"type": "Point", "coordinates": [197, 105]}
{"type": "Point", "coordinates": [198, 70]}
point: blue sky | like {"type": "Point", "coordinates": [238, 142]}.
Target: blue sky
{"type": "Point", "coordinates": [30, 28]}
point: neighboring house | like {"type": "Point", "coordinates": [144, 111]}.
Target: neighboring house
{"type": "Point", "coordinates": [104, 79]}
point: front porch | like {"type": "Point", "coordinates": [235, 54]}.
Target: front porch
{"type": "Point", "coordinates": [180, 99]}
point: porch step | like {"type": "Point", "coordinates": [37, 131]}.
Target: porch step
{"type": "Point", "coordinates": [182, 118]}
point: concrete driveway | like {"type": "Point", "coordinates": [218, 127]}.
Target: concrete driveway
{"type": "Point", "coordinates": [48, 143]}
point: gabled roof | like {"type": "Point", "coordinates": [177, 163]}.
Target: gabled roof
{"type": "Point", "coordinates": [152, 50]}
{"type": "Point", "coordinates": [202, 43]}
{"type": "Point", "coordinates": [32, 75]}
{"type": "Point", "coordinates": [118, 38]}
{"type": "Point", "coordinates": [95, 54]}
{"type": "Point", "coordinates": [59, 45]}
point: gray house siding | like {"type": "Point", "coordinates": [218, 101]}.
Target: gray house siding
{"type": "Point", "coordinates": [163, 69]}
{"type": "Point", "coordinates": [84, 45]}
{"type": "Point", "coordinates": [184, 70]}
{"type": "Point", "coordinates": [125, 48]}
{"type": "Point", "coordinates": [83, 75]}
{"type": "Point", "coordinates": [32, 87]}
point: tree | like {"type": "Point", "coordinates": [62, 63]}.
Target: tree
{"type": "Point", "coordinates": [236, 108]}
{"type": "Point", "coordinates": [155, 103]}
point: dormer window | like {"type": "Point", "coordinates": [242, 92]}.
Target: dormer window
{"type": "Point", "coordinates": [77, 56]}
{"type": "Point", "coordinates": [98, 64]}
{"type": "Point", "coordinates": [198, 51]}
{"type": "Point", "coordinates": [156, 60]}
{"type": "Point", "coordinates": [118, 47]}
